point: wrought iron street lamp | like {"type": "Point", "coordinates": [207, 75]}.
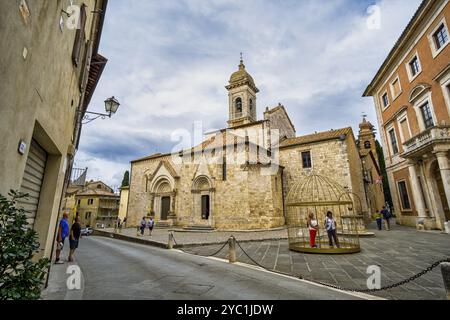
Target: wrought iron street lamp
{"type": "Point", "coordinates": [111, 107]}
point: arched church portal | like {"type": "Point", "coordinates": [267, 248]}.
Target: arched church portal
{"type": "Point", "coordinates": [202, 192]}
{"type": "Point", "coordinates": [163, 199]}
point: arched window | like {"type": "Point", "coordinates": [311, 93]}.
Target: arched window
{"type": "Point", "coordinates": [239, 105]}
{"type": "Point", "coordinates": [367, 145]}
{"type": "Point", "coordinates": [251, 105]}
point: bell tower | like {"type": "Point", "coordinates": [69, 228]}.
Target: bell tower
{"type": "Point", "coordinates": [366, 138]}
{"type": "Point", "coordinates": [242, 97]}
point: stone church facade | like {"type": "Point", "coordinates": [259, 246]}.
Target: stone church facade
{"type": "Point", "coordinates": [238, 178]}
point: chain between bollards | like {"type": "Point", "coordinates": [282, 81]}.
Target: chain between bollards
{"type": "Point", "coordinates": [233, 243]}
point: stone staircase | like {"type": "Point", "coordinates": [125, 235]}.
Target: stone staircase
{"type": "Point", "coordinates": [163, 224]}
{"type": "Point", "coordinates": [199, 228]}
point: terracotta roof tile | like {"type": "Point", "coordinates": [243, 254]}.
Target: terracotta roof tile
{"type": "Point", "coordinates": [317, 137]}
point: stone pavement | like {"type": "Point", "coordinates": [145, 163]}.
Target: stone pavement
{"type": "Point", "coordinates": [187, 239]}
{"type": "Point", "coordinates": [401, 253]}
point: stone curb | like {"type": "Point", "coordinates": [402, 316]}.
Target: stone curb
{"type": "Point", "coordinates": [117, 236]}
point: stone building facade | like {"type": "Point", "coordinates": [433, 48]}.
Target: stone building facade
{"type": "Point", "coordinates": [48, 77]}
{"type": "Point", "coordinates": [411, 92]}
{"type": "Point", "coordinates": [237, 179]}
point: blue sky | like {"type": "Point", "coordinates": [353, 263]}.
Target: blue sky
{"type": "Point", "coordinates": [170, 60]}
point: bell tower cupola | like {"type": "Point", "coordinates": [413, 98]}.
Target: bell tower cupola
{"type": "Point", "coordinates": [242, 97]}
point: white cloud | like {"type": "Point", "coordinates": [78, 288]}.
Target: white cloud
{"type": "Point", "coordinates": [170, 60]}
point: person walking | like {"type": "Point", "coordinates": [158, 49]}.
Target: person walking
{"type": "Point", "coordinates": [151, 225]}
{"type": "Point", "coordinates": [63, 232]}
{"type": "Point", "coordinates": [75, 234]}
{"type": "Point", "coordinates": [387, 218]}
{"type": "Point", "coordinates": [379, 219]}
{"type": "Point", "coordinates": [331, 227]}
{"type": "Point", "coordinates": [143, 226]}
{"type": "Point", "coordinates": [313, 228]}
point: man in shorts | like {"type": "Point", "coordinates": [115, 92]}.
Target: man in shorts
{"type": "Point", "coordinates": [63, 232]}
{"type": "Point", "coordinates": [75, 234]}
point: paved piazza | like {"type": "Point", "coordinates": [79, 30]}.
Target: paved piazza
{"type": "Point", "coordinates": [401, 253]}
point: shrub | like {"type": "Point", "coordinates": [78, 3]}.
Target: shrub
{"type": "Point", "coordinates": [21, 277]}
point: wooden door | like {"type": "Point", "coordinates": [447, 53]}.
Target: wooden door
{"type": "Point", "coordinates": [165, 208]}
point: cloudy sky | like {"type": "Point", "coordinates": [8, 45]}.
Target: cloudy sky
{"type": "Point", "coordinates": [170, 60]}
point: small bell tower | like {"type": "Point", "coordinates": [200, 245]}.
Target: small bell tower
{"type": "Point", "coordinates": [242, 97]}
{"type": "Point", "coordinates": [366, 138]}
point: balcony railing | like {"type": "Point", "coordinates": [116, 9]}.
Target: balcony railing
{"type": "Point", "coordinates": [426, 138]}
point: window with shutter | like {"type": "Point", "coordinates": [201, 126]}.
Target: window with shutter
{"type": "Point", "coordinates": [80, 37]}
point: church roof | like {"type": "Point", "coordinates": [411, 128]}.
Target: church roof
{"type": "Point", "coordinates": [317, 137]}
{"type": "Point", "coordinates": [241, 78]}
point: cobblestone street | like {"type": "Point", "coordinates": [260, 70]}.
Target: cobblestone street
{"type": "Point", "coordinates": [401, 253]}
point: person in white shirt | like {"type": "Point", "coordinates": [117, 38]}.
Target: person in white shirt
{"type": "Point", "coordinates": [143, 225]}
{"type": "Point", "coordinates": [313, 226]}
{"type": "Point", "coordinates": [331, 227]}
{"type": "Point", "coordinates": [150, 225]}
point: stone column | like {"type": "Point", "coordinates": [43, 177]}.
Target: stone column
{"type": "Point", "coordinates": [444, 168]}
{"type": "Point", "coordinates": [417, 193]}
{"type": "Point", "coordinates": [152, 204]}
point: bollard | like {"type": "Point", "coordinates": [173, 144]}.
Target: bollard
{"type": "Point", "coordinates": [170, 245]}
{"type": "Point", "coordinates": [232, 250]}
{"type": "Point", "coordinates": [445, 269]}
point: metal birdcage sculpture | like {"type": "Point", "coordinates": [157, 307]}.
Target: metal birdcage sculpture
{"type": "Point", "coordinates": [310, 230]}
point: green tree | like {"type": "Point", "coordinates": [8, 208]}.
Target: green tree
{"type": "Point", "coordinates": [386, 188]}
{"type": "Point", "coordinates": [21, 276]}
{"type": "Point", "coordinates": [126, 179]}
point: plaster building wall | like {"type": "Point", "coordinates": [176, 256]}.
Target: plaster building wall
{"type": "Point", "coordinates": [420, 165]}
{"type": "Point", "coordinates": [40, 93]}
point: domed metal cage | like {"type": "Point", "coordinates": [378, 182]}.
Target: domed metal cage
{"type": "Point", "coordinates": [308, 203]}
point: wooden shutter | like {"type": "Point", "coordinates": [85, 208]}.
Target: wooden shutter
{"type": "Point", "coordinates": [405, 130]}
{"type": "Point", "coordinates": [32, 180]}
{"type": "Point", "coordinates": [80, 37]}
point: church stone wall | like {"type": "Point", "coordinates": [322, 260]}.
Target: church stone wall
{"type": "Point", "coordinates": [246, 200]}
{"type": "Point", "coordinates": [279, 120]}
{"type": "Point", "coordinates": [329, 159]}
{"type": "Point", "coordinates": [335, 159]}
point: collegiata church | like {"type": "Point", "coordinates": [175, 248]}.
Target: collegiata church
{"type": "Point", "coordinates": [238, 177]}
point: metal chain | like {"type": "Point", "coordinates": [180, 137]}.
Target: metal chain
{"type": "Point", "coordinates": [197, 254]}
{"type": "Point", "coordinates": [395, 285]}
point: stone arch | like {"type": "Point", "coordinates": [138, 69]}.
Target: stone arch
{"type": "Point", "coordinates": [163, 197]}
{"type": "Point", "coordinates": [161, 183]}
{"type": "Point", "coordinates": [202, 201]}
{"type": "Point", "coordinates": [202, 183]}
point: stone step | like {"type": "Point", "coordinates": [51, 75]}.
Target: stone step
{"type": "Point", "coordinates": [163, 224]}
{"type": "Point", "coordinates": [199, 228]}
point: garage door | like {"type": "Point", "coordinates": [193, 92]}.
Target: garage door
{"type": "Point", "coordinates": [32, 180]}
